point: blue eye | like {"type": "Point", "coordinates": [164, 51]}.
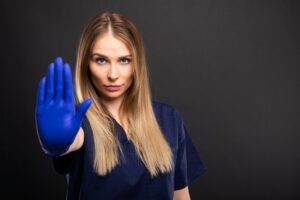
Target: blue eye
{"type": "Point", "coordinates": [125, 61]}
{"type": "Point", "coordinates": [100, 61]}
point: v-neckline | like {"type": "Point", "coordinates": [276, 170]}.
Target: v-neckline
{"type": "Point", "coordinates": [122, 134]}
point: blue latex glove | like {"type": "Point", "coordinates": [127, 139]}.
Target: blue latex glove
{"type": "Point", "coordinates": [57, 120]}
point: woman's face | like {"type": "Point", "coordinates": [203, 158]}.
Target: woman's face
{"type": "Point", "coordinates": [111, 67]}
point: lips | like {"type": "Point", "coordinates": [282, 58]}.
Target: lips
{"type": "Point", "coordinates": [113, 88]}
{"type": "Point", "coordinates": [113, 85]}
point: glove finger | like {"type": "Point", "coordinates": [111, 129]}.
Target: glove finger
{"type": "Point", "coordinates": [41, 92]}
{"type": "Point", "coordinates": [58, 79]}
{"type": "Point", "coordinates": [68, 85]}
{"type": "Point", "coordinates": [50, 83]}
{"type": "Point", "coordinates": [84, 106]}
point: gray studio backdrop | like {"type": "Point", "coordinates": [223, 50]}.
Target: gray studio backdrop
{"type": "Point", "coordinates": [230, 67]}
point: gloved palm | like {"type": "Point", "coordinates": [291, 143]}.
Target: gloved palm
{"type": "Point", "coordinates": [56, 117]}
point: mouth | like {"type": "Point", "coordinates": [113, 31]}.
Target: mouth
{"type": "Point", "coordinates": [113, 88]}
{"type": "Point", "coordinates": [113, 85]}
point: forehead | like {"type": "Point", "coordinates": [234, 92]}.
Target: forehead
{"type": "Point", "coordinates": [110, 46]}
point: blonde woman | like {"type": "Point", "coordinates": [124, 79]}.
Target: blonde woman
{"type": "Point", "coordinates": [118, 143]}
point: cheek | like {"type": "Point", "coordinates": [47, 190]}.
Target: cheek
{"type": "Point", "coordinates": [129, 76]}
{"type": "Point", "coordinates": [96, 75]}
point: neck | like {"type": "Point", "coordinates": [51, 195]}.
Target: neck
{"type": "Point", "coordinates": [113, 106]}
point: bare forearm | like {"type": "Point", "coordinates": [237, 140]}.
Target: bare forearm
{"type": "Point", "coordinates": [78, 142]}
{"type": "Point", "coordinates": [182, 194]}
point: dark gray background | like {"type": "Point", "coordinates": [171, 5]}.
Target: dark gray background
{"type": "Point", "coordinates": [230, 67]}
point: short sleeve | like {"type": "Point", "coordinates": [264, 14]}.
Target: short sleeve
{"type": "Point", "coordinates": [189, 164]}
{"type": "Point", "coordinates": [64, 164]}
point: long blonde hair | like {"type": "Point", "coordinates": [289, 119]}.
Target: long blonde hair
{"type": "Point", "coordinates": [143, 129]}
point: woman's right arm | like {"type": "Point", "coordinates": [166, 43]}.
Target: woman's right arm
{"type": "Point", "coordinates": [78, 142]}
{"type": "Point", "coordinates": [58, 121]}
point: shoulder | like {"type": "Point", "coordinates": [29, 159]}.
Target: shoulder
{"type": "Point", "coordinates": [162, 105]}
{"type": "Point", "coordinates": [159, 106]}
{"type": "Point", "coordinates": [166, 112]}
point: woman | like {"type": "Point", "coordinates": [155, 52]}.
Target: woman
{"type": "Point", "coordinates": [119, 143]}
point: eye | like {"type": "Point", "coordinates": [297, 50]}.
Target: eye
{"type": "Point", "coordinates": [100, 61]}
{"type": "Point", "coordinates": [125, 61]}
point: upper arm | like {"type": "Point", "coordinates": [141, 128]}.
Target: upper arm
{"type": "Point", "coordinates": [189, 164]}
{"type": "Point", "coordinates": [182, 194]}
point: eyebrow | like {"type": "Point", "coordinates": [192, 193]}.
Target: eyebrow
{"type": "Point", "coordinates": [104, 56]}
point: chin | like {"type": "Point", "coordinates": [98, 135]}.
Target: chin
{"type": "Point", "coordinates": [110, 96]}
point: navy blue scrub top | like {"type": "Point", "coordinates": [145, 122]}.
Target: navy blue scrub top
{"type": "Point", "coordinates": [130, 180]}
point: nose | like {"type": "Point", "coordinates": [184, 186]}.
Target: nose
{"type": "Point", "coordinates": [112, 74]}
